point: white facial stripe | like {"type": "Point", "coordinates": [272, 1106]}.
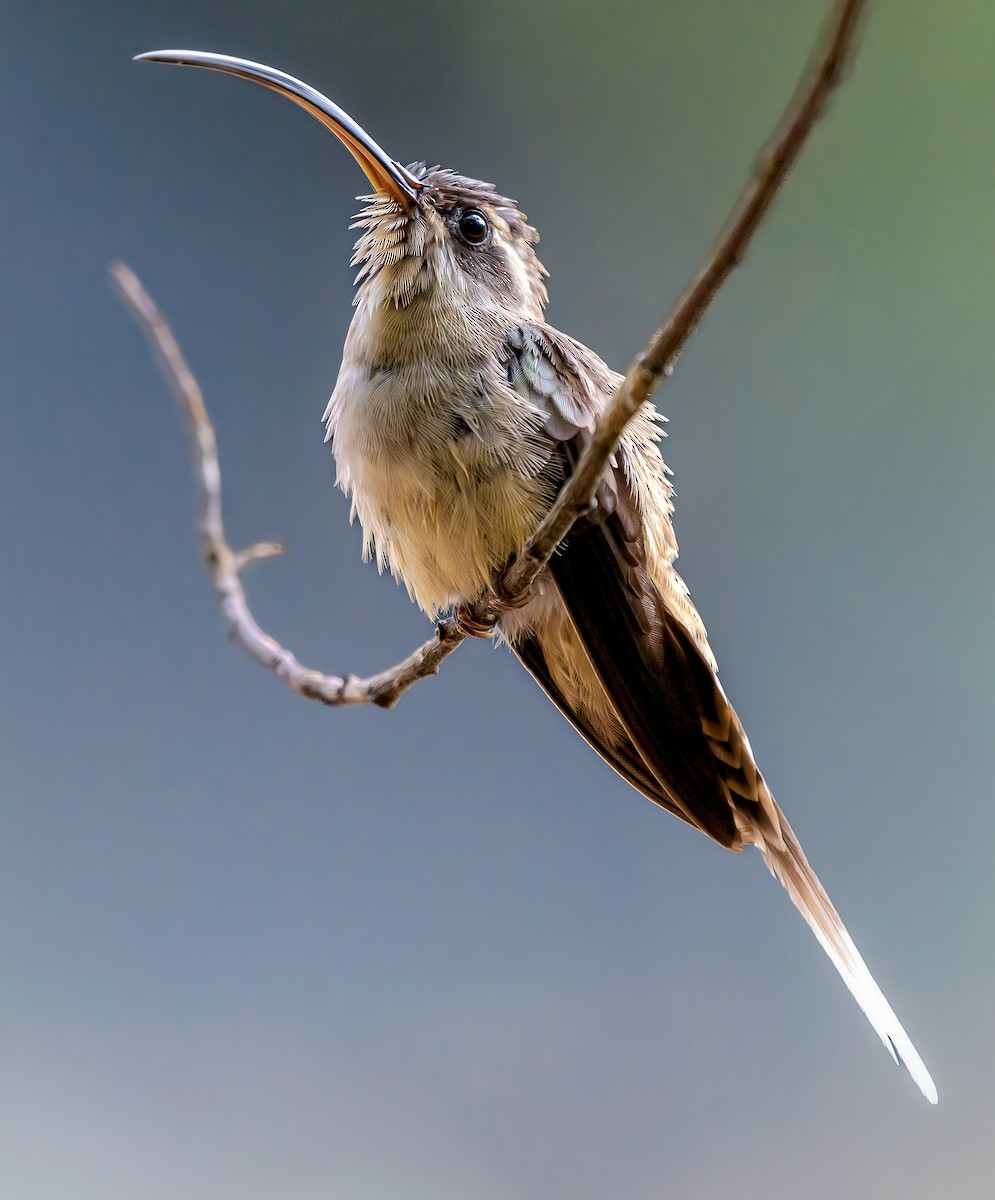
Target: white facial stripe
{"type": "Point", "coordinates": [516, 266]}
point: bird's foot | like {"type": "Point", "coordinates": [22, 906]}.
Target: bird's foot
{"type": "Point", "coordinates": [478, 618]}
{"type": "Point", "coordinates": [472, 622]}
{"type": "Point", "coordinates": [503, 600]}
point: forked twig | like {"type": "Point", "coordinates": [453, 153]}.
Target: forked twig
{"type": "Point", "coordinates": [225, 565]}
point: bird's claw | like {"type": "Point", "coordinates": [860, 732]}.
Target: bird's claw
{"type": "Point", "coordinates": [503, 600]}
{"type": "Point", "coordinates": [470, 625]}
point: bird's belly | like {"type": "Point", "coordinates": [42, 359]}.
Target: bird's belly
{"type": "Point", "coordinates": [442, 517]}
{"type": "Point", "coordinates": [446, 471]}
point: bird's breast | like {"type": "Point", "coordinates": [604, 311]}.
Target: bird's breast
{"type": "Point", "coordinates": [444, 465]}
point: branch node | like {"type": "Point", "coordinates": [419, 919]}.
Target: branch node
{"type": "Point", "coordinates": [255, 553]}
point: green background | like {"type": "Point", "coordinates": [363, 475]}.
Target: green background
{"type": "Point", "coordinates": [253, 948]}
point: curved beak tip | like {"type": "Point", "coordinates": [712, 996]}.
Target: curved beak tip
{"type": "Point", "coordinates": [385, 173]}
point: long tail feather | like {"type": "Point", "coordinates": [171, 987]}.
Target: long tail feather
{"type": "Point", "coordinates": [791, 867]}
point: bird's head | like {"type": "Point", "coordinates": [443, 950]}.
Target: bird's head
{"type": "Point", "coordinates": [426, 233]}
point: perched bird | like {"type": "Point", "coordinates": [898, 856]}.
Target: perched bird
{"type": "Point", "coordinates": [457, 414]}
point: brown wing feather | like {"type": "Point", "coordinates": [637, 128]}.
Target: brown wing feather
{"type": "Point", "coordinates": [623, 758]}
{"type": "Point", "coordinates": [642, 656]}
{"type": "Point", "coordinates": [655, 670]}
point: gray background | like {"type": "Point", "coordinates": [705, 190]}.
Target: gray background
{"type": "Point", "coordinates": [254, 948]}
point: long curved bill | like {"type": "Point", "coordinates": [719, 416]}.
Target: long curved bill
{"type": "Point", "coordinates": [386, 175]}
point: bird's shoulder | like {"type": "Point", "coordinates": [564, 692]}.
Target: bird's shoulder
{"type": "Point", "coordinates": [573, 385]}
{"type": "Point", "coordinates": [560, 374]}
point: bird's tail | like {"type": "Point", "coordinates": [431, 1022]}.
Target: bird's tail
{"type": "Point", "coordinates": [809, 896]}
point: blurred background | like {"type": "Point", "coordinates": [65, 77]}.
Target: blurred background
{"type": "Point", "coordinates": [254, 948]}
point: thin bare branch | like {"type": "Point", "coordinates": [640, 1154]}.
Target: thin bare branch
{"type": "Point", "coordinates": [825, 72]}
{"type": "Point", "coordinates": [224, 565]}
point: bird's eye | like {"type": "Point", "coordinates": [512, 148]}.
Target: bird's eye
{"type": "Point", "coordinates": [473, 227]}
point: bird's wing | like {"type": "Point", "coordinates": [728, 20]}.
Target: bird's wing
{"type": "Point", "coordinates": [622, 756]}
{"type": "Point", "coordinates": [658, 677]}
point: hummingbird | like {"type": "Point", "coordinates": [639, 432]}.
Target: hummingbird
{"type": "Point", "coordinates": [457, 415]}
